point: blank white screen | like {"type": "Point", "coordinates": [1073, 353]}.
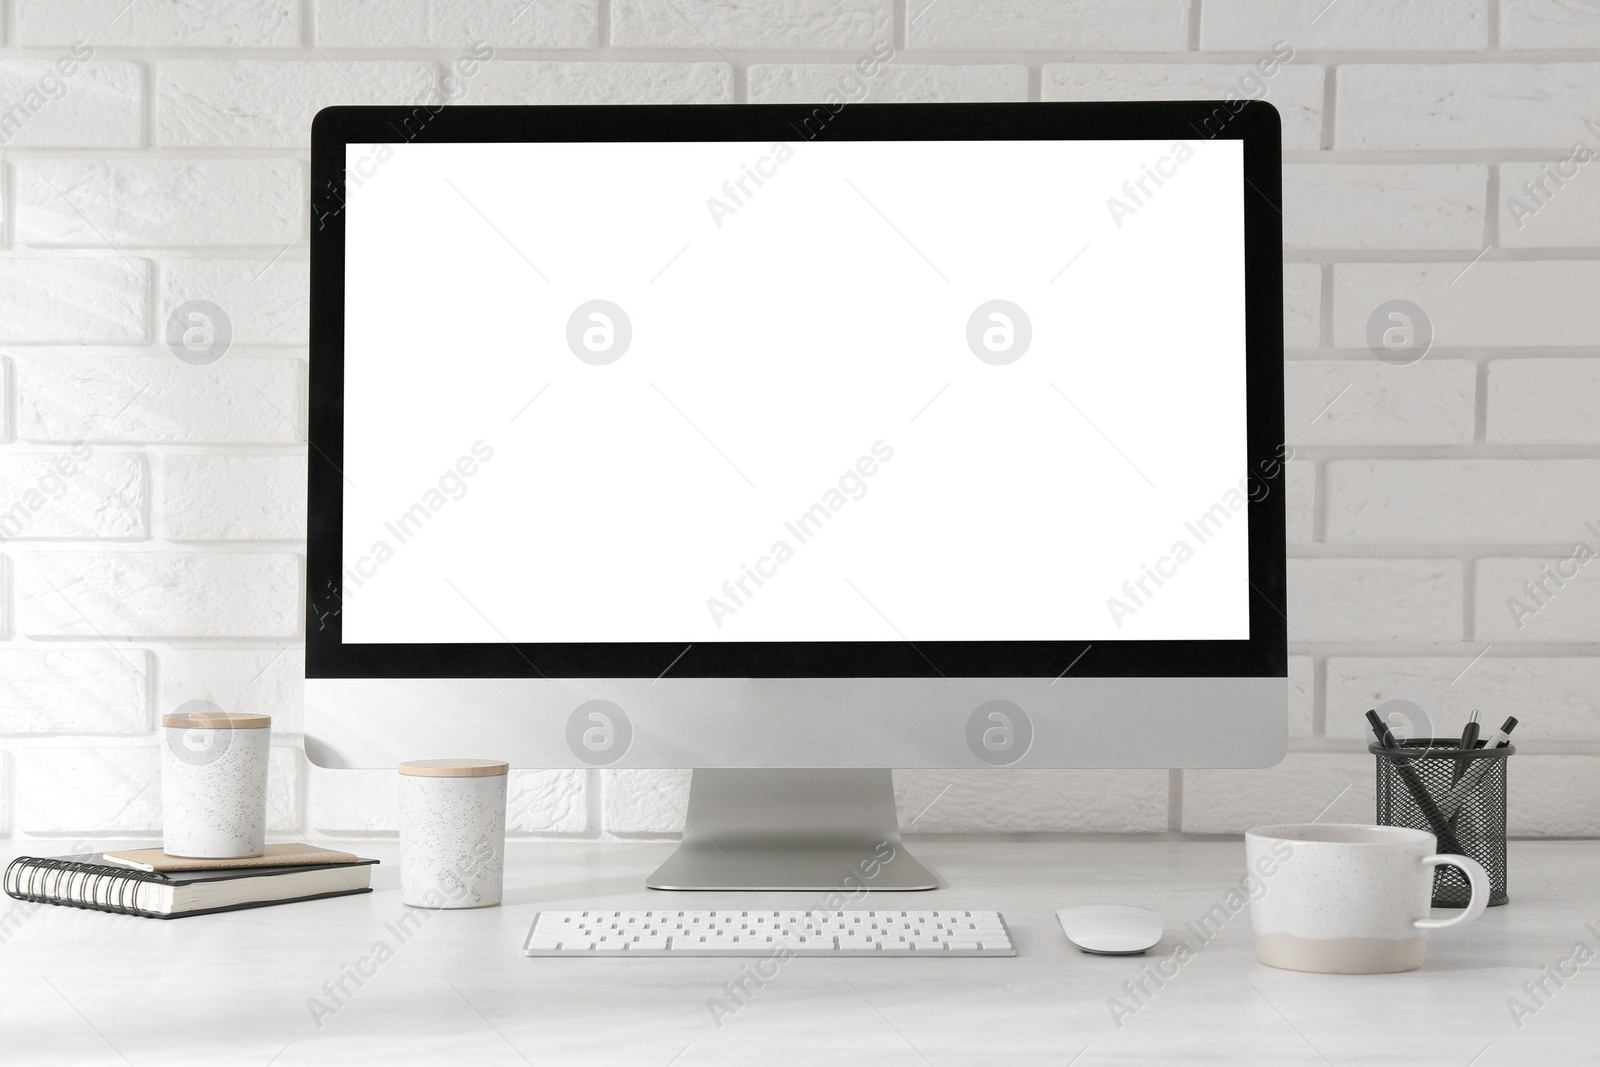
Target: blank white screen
{"type": "Point", "coordinates": [781, 333]}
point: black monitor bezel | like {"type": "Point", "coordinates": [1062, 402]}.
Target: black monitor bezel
{"type": "Point", "coordinates": [1264, 654]}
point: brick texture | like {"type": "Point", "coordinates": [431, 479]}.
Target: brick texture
{"type": "Point", "coordinates": [1302, 305]}
{"type": "Point", "coordinates": [1302, 696]}
{"type": "Point", "coordinates": [1359, 205]}
{"type": "Point", "coordinates": [234, 498]}
{"type": "Point", "coordinates": [74, 691]}
{"type": "Point", "coordinates": [1300, 483]}
{"type": "Point", "coordinates": [1555, 204]}
{"type": "Point", "coordinates": [1327, 786]}
{"type": "Point", "coordinates": [160, 202]}
{"type": "Point", "coordinates": [1374, 600]}
{"type": "Point", "coordinates": [1549, 598]}
{"type": "Point", "coordinates": [366, 801]}
{"type": "Point", "coordinates": [74, 494]}
{"type": "Point", "coordinates": [267, 301]}
{"type": "Point", "coordinates": [1451, 501]}
{"type": "Point", "coordinates": [902, 82]}
{"type": "Point", "coordinates": [1553, 796]}
{"type": "Point", "coordinates": [77, 299]}
{"type": "Point", "coordinates": [225, 23]}
{"type": "Point", "coordinates": [127, 801]}
{"type": "Point", "coordinates": [839, 24]}
{"type": "Point", "coordinates": [1092, 25]}
{"type": "Point", "coordinates": [92, 103]}
{"type": "Point", "coordinates": [256, 681]}
{"type": "Point", "coordinates": [1550, 24]}
{"type": "Point", "coordinates": [1463, 105]}
{"type": "Point", "coordinates": [1436, 512]}
{"type": "Point", "coordinates": [1295, 90]}
{"type": "Point", "coordinates": [1366, 25]}
{"type": "Point", "coordinates": [156, 594]}
{"type": "Point", "coordinates": [1045, 801]}
{"type": "Point", "coordinates": [1565, 692]}
{"type": "Point", "coordinates": [1545, 401]}
{"type": "Point", "coordinates": [509, 81]}
{"type": "Point", "coordinates": [268, 103]}
{"type": "Point", "coordinates": [457, 24]}
{"type": "Point", "coordinates": [1366, 402]}
{"type": "Point", "coordinates": [1469, 305]}
{"type": "Point", "coordinates": [159, 399]}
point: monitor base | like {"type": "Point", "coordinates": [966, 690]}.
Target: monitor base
{"type": "Point", "coordinates": [793, 830]}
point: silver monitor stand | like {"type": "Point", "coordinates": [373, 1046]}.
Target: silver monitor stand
{"type": "Point", "coordinates": [792, 830]}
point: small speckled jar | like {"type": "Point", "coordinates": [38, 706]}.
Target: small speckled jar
{"type": "Point", "coordinates": [214, 784]}
{"type": "Point", "coordinates": [452, 832]}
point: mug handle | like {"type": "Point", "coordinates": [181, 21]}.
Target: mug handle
{"type": "Point", "coordinates": [1477, 877]}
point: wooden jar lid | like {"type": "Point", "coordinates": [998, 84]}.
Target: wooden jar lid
{"type": "Point", "coordinates": [454, 768]}
{"type": "Point", "coordinates": [215, 720]}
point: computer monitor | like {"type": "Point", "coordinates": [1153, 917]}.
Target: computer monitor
{"type": "Point", "coordinates": [792, 444]}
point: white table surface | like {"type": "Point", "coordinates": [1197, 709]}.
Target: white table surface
{"type": "Point", "coordinates": [83, 988]}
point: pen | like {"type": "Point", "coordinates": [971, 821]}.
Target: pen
{"type": "Point", "coordinates": [1381, 729]}
{"type": "Point", "coordinates": [1458, 795]}
{"type": "Point", "coordinates": [1414, 785]}
{"type": "Point", "coordinates": [1502, 737]}
{"type": "Point", "coordinates": [1469, 741]}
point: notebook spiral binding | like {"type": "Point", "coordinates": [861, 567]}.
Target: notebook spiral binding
{"type": "Point", "coordinates": [89, 886]}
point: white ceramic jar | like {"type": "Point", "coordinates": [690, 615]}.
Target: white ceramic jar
{"type": "Point", "coordinates": [214, 784]}
{"type": "Point", "coordinates": [452, 832]}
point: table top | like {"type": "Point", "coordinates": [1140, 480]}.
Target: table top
{"type": "Point", "coordinates": [263, 987]}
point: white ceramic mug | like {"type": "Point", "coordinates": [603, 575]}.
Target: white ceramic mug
{"type": "Point", "coordinates": [452, 832]}
{"type": "Point", "coordinates": [214, 784]}
{"type": "Point", "coordinates": [1350, 898]}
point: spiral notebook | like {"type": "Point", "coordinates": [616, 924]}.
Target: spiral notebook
{"type": "Point", "coordinates": [88, 882]}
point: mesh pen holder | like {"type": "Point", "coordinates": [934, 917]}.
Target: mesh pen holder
{"type": "Point", "coordinates": [1456, 794]}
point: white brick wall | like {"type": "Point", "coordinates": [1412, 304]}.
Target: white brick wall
{"type": "Point", "coordinates": [1360, 24]}
{"type": "Point", "coordinates": [1468, 305]}
{"type": "Point", "coordinates": [226, 23]}
{"type": "Point", "coordinates": [100, 106]}
{"type": "Point", "coordinates": [236, 678]}
{"type": "Point", "coordinates": [267, 300]}
{"type": "Point", "coordinates": [1086, 25]}
{"type": "Point", "coordinates": [453, 23]}
{"type": "Point", "coordinates": [78, 299]}
{"type": "Point", "coordinates": [156, 398]}
{"type": "Point", "coordinates": [270, 103]}
{"type": "Point", "coordinates": [233, 498]}
{"type": "Point", "coordinates": [1367, 205]}
{"type": "Point", "coordinates": [1514, 104]}
{"type": "Point", "coordinates": [1374, 600]}
{"type": "Point", "coordinates": [1410, 501]}
{"type": "Point", "coordinates": [73, 495]}
{"type": "Point", "coordinates": [905, 82]}
{"type": "Point", "coordinates": [159, 202]}
{"type": "Point", "coordinates": [1296, 91]}
{"type": "Point", "coordinates": [1545, 401]}
{"type": "Point", "coordinates": [78, 690]}
{"type": "Point", "coordinates": [600, 82]}
{"type": "Point", "coordinates": [809, 24]}
{"type": "Point", "coordinates": [1565, 215]}
{"type": "Point", "coordinates": [1363, 401]}
{"type": "Point", "coordinates": [91, 595]}
{"type": "Point", "coordinates": [1421, 500]}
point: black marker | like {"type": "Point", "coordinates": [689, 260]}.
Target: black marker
{"type": "Point", "coordinates": [1419, 791]}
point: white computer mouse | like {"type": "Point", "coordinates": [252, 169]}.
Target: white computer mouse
{"type": "Point", "coordinates": [1111, 929]}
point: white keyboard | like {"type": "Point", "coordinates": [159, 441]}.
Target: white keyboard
{"type": "Point", "coordinates": [765, 933]}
